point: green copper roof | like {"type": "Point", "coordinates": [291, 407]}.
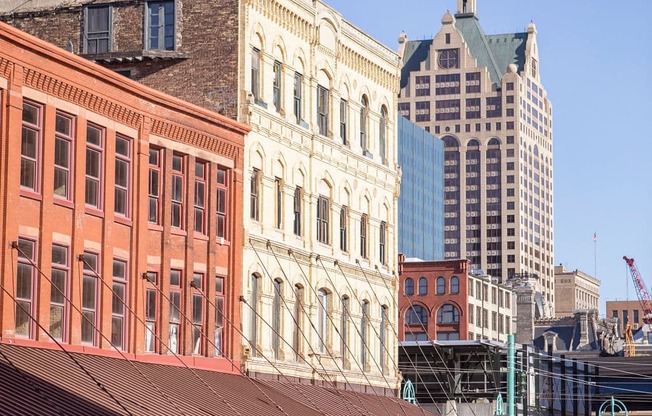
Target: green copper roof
{"type": "Point", "coordinates": [495, 52]}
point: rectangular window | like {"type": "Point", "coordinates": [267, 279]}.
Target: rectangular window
{"type": "Point", "coordinates": [25, 288]}
{"type": "Point", "coordinates": [255, 73]}
{"type": "Point", "coordinates": [154, 185]}
{"type": "Point", "coordinates": [298, 200]}
{"type": "Point", "coordinates": [254, 210]}
{"type": "Point", "coordinates": [344, 227]}
{"type": "Point", "coordinates": [447, 110]}
{"type": "Point", "coordinates": [222, 187]}
{"type": "Point", "coordinates": [472, 108]}
{"type": "Point", "coordinates": [31, 145]}
{"type": "Point", "coordinates": [197, 317]}
{"type": "Point", "coordinates": [322, 110]}
{"type": "Point", "coordinates": [494, 107]}
{"type": "Point", "coordinates": [119, 305]}
{"type": "Point", "coordinates": [404, 110]}
{"type": "Point", "coordinates": [323, 211]}
{"type": "Point", "coordinates": [422, 86]}
{"type": "Point", "coordinates": [277, 92]}
{"type": "Point", "coordinates": [94, 166]}
{"type": "Point", "coordinates": [278, 202]}
{"type": "Point", "coordinates": [447, 84]}
{"type": "Point", "coordinates": [97, 29]}
{"type": "Point", "coordinates": [382, 245]}
{"type": "Point", "coordinates": [151, 312]}
{"type": "Point", "coordinates": [122, 176]}
{"type": "Point", "coordinates": [298, 95]}
{"type": "Point", "coordinates": [422, 111]}
{"type": "Point", "coordinates": [63, 151]}
{"type": "Point", "coordinates": [174, 333]}
{"type": "Point", "coordinates": [160, 25]}
{"type": "Point", "coordinates": [364, 225]}
{"type": "Point", "coordinates": [472, 82]}
{"type": "Point", "coordinates": [343, 120]}
{"type": "Point", "coordinates": [176, 219]}
{"type": "Point", "coordinates": [201, 172]}
{"type": "Point", "coordinates": [59, 292]}
{"type": "Point", "coordinates": [219, 316]}
{"type": "Point", "coordinates": [89, 298]}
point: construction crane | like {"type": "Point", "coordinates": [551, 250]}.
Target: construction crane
{"type": "Point", "coordinates": [641, 291]}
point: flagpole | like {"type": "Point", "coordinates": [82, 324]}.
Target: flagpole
{"type": "Point", "coordinates": [595, 255]}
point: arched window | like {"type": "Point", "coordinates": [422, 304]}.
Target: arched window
{"type": "Point", "coordinates": [382, 135]}
{"type": "Point", "coordinates": [448, 314]}
{"type": "Point", "coordinates": [409, 287]}
{"type": "Point", "coordinates": [276, 318]}
{"type": "Point", "coordinates": [441, 286]}
{"type": "Point", "coordinates": [423, 286]}
{"type": "Point", "coordinates": [255, 311]}
{"type": "Point", "coordinates": [364, 112]}
{"type": "Point", "coordinates": [322, 318]}
{"type": "Point", "coordinates": [364, 323]}
{"type": "Point", "coordinates": [297, 336]}
{"type": "Point", "coordinates": [344, 331]}
{"type": "Point", "coordinates": [455, 285]}
{"type": "Point", "coordinates": [416, 315]}
{"type": "Point", "coordinates": [382, 336]}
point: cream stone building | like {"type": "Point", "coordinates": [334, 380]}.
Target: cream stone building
{"type": "Point", "coordinates": [320, 209]}
{"type": "Point", "coordinates": [483, 95]}
{"type": "Point", "coordinates": [490, 310]}
{"type": "Point", "coordinates": [574, 290]}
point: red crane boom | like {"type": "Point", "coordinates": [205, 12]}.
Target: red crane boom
{"type": "Point", "coordinates": [641, 291]}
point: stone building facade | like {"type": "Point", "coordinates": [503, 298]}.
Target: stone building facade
{"type": "Point", "coordinates": [483, 95]}
{"type": "Point", "coordinates": [575, 289]}
{"type": "Point", "coordinates": [626, 311]}
{"type": "Point", "coordinates": [321, 179]}
{"type": "Point", "coordinates": [444, 300]}
{"type": "Point", "coordinates": [114, 198]}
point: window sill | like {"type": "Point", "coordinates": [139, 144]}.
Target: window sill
{"type": "Point", "coordinates": [31, 194]}
{"type": "Point", "coordinates": [123, 220]}
{"type": "Point", "coordinates": [178, 231]}
{"type": "Point", "coordinates": [154, 227]}
{"type": "Point", "coordinates": [223, 242]}
{"type": "Point", "coordinates": [63, 202]}
{"type": "Point", "coordinates": [260, 103]}
{"type": "Point", "coordinates": [303, 124]}
{"type": "Point", "coordinates": [94, 212]}
{"type": "Point", "coordinates": [199, 236]}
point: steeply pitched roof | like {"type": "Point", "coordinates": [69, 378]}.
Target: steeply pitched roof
{"type": "Point", "coordinates": [495, 52]}
{"type": "Point", "coordinates": [38, 381]}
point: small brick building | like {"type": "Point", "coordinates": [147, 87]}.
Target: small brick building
{"type": "Point", "coordinates": [110, 192]}
{"type": "Point", "coordinates": [443, 300]}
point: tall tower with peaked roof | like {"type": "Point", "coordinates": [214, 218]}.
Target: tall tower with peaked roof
{"type": "Point", "coordinates": [483, 95]}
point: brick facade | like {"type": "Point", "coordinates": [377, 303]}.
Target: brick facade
{"type": "Point", "coordinates": [202, 69]}
{"type": "Point", "coordinates": [71, 99]}
{"type": "Point", "coordinates": [481, 307]}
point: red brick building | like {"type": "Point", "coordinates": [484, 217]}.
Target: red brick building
{"type": "Point", "coordinates": [443, 300]}
{"type": "Point", "coordinates": [110, 192]}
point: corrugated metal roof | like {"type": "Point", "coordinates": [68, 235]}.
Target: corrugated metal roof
{"type": "Point", "coordinates": [39, 381]}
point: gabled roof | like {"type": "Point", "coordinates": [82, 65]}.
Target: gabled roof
{"type": "Point", "coordinates": [495, 52]}
{"type": "Point", "coordinates": [40, 381]}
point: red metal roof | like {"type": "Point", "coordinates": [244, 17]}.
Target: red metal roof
{"type": "Point", "coordinates": [37, 381]}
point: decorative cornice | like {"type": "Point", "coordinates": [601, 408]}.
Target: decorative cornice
{"type": "Point", "coordinates": [86, 99]}
{"type": "Point", "coordinates": [196, 139]}
{"type": "Point", "coordinates": [5, 68]}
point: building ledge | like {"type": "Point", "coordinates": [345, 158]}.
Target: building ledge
{"type": "Point", "coordinates": [135, 56]}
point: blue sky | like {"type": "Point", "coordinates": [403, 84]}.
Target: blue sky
{"type": "Point", "coordinates": [596, 64]}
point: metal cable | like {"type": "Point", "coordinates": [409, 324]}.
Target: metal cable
{"type": "Point", "coordinates": [307, 341]}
